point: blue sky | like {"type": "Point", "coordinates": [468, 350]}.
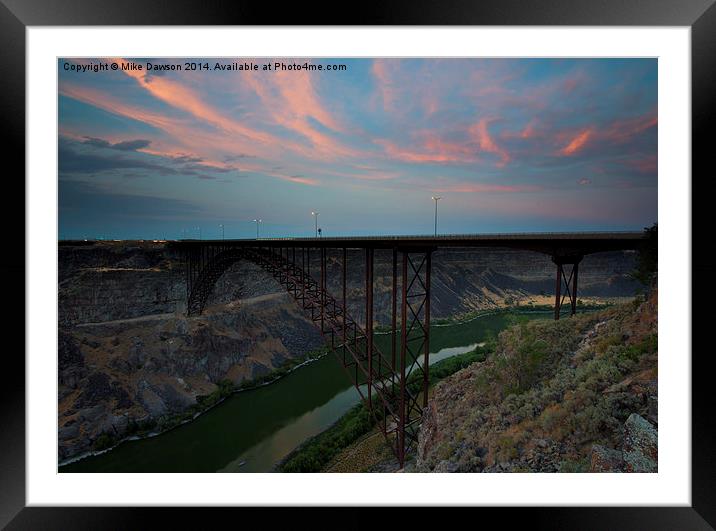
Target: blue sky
{"type": "Point", "coordinates": [509, 145]}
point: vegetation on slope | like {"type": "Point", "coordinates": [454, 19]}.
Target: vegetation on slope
{"type": "Point", "coordinates": [549, 393]}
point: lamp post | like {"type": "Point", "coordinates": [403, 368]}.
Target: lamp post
{"type": "Point", "coordinates": [199, 229]}
{"type": "Point", "coordinates": [315, 216]}
{"type": "Point", "coordinates": [436, 199]}
{"type": "Point", "coordinates": [222, 230]}
{"type": "Point", "coordinates": [257, 221]}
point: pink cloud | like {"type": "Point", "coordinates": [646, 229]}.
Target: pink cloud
{"type": "Point", "coordinates": [434, 147]}
{"type": "Point", "coordinates": [300, 95]}
{"type": "Point", "coordinates": [385, 85]}
{"type": "Point", "coordinates": [574, 81]}
{"type": "Point", "coordinates": [468, 188]}
{"type": "Point", "coordinates": [293, 102]}
{"type": "Point", "coordinates": [176, 128]}
{"type": "Point", "coordinates": [102, 101]}
{"type": "Point", "coordinates": [300, 180]}
{"type": "Point", "coordinates": [181, 97]}
{"type": "Point", "coordinates": [482, 136]}
{"type": "Point", "coordinates": [434, 151]}
{"type": "Point", "coordinates": [618, 132]}
{"type": "Point", "coordinates": [622, 130]}
{"type": "Point", "coordinates": [259, 168]}
{"type": "Point", "coordinates": [297, 102]}
{"type": "Point", "coordinates": [644, 164]}
{"type": "Point", "coordinates": [528, 131]}
{"type": "Point", "coordinates": [577, 143]}
{"type": "Point", "coordinates": [184, 131]}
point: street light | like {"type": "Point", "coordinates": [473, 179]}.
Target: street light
{"type": "Point", "coordinates": [436, 198]}
{"type": "Point", "coordinates": [222, 230]}
{"type": "Point", "coordinates": [199, 229]}
{"type": "Point", "coordinates": [257, 221]}
{"type": "Point", "coordinates": [315, 215]}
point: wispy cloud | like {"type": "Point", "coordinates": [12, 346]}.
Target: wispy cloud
{"type": "Point", "coordinates": [385, 129]}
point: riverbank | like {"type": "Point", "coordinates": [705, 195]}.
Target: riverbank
{"type": "Point", "coordinates": [318, 452]}
{"type": "Point", "coordinates": [153, 428]}
{"type": "Point", "coordinates": [468, 317]}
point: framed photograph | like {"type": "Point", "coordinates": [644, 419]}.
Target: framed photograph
{"type": "Point", "coordinates": [409, 263]}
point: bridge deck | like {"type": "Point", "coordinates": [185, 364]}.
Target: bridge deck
{"type": "Point", "coordinates": [546, 242]}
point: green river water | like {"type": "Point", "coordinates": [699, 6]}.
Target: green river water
{"type": "Point", "coordinates": [253, 430]}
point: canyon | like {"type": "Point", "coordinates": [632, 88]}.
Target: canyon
{"type": "Point", "coordinates": [129, 357]}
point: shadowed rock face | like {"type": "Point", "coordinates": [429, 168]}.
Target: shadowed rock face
{"type": "Point", "coordinates": [127, 353]}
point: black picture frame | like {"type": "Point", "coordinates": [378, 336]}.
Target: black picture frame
{"type": "Point", "coordinates": [699, 15]}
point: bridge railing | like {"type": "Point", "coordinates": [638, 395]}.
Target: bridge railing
{"type": "Point", "coordinates": [606, 235]}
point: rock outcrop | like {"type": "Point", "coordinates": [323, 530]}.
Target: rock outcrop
{"type": "Point", "coordinates": [639, 452]}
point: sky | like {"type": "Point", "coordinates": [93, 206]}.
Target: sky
{"type": "Point", "coordinates": [510, 145]}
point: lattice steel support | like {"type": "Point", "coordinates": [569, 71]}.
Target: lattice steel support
{"type": "Point", "coordinates": [414, 346]}
{"type": "Point", "coordinates": [369, 321]}
{"type": "Point", "coordinates": [568, 282]}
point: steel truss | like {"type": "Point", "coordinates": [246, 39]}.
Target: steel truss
{"type": "Point", "coordinates": [387, 385]}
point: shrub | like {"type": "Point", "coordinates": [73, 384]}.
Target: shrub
{"type": "Point", "coordinates": [104, 441]}
{"type": "Point", "coordinates": [647, 263]}
{"type": "Point", "coordinates": [575, 465]}
{"type": "Point", "coordinates": [506, 449]}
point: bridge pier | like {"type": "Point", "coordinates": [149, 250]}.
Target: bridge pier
{"type": "Point", "coordinates": [369, 321]}
{"type": "Point", "coordinates": [569, 283]}
{"type": "Point", "coordinates": [394, 312]}
{"type": "Point", "coordinates": [414, 345]}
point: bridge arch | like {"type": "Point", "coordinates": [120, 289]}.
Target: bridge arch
{"type": "Point", "coordinates": [202, 285]}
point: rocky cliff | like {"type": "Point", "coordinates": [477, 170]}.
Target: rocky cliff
{"type": "Point", "coordinates": [128, 356]}
{"type": "Point", "coordinates": [575, 395]}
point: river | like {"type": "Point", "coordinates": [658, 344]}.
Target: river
{"type": "Point", "coordinates": [253, 430]}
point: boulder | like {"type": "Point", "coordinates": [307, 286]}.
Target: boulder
{"type": "Point", "coordinates": [606, 460]}
{"type": "Point", "coordinates": [640, 445]}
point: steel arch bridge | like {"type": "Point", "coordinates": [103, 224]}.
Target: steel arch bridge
{"type": "Point", "coordinates": [385, 381]}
